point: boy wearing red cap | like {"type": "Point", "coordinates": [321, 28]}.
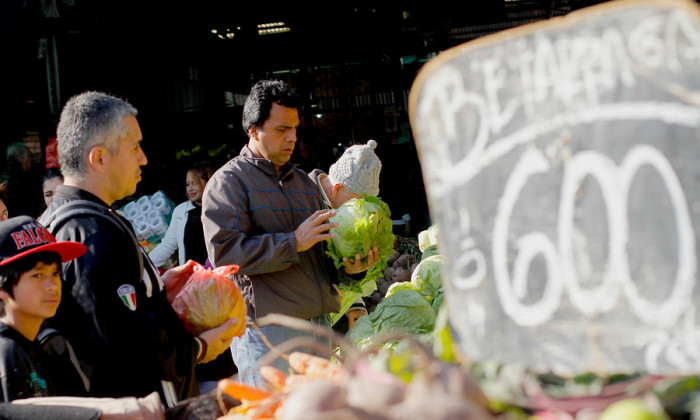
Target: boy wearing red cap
{"type": "Point", "coordinates": [30, 291]}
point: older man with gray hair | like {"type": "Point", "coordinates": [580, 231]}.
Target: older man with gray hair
{"type": "Point", "coordinates": [115, 309]}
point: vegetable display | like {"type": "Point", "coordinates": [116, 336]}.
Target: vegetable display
{"type": "Point", "coordinates": [400, 362]}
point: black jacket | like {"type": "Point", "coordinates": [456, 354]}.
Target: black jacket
{"type": "Point", "coordinates": [21, 372]}
{"type": "Point", "coordinates": [129, 347]}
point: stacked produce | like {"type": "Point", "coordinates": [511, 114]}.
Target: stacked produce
{"type": "Point", "coordinates": [398, 268]}
{"type": "Point", "coordinates": [400, 362]}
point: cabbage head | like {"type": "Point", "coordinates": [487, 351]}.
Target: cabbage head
{"type": "Point", "coordinates": [361, 333]}
{"type": "Point", "coordinates": [363, 223]}
{"type": "Point", "coordinates": [427, 277]}
{"type": "Point", "coordinates": [429, 252]}
{"type": "Point", "coordinates": [405, 310]}
{"type": "Point", "coordinates": [428, 237]}
{"type": "Point", "coordinates": [399, 285]}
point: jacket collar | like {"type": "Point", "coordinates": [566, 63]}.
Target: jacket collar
{"type": "Point", "coordinates": [65, 191]}
{"type": "Point", "coordinates": [266, 165]}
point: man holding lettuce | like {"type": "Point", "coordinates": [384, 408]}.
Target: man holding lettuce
{"type": "Point", "coordinates": [267, 216]}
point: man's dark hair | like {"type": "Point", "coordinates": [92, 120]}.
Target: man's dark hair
{"type": "Point", "coordinates": [10, 273]}
{"type": "Point", "coordinates": [259, 103]}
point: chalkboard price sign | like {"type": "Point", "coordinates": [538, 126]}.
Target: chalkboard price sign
{"type": "Point", "coordinates": [562, 164]}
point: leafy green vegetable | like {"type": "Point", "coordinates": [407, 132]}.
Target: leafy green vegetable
{"type": "Point", "coordinates": [362, 224]}
{"type": "Point", "coordinates": [442, 343]}
{"type": "Point", "coordinates": [399, 285]}
{"type": "Point", "coordinates": [405, 310]}
{"type": "Point", "coordinates": [428, 237]}
{"type": "Point", "coordinates": [427, 277]}
{"type": "Point", "coordinates": [430, 251]}
{"type": "Point", "coordinates": [361, 332]}
{"type": "Point", "coordinates": [437, 301]}
{"type": "Point", "coordinates": [351, 290]}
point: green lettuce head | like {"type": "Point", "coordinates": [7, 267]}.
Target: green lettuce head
{"type": "Point", "coordinates": [399, 285]}
{"type": "Point", "coordinates": [405, 310]}
{"type": "Point", "coordinates": [428, 237]}
{"type": "Point", "coordinates": [427, 277]}
{"type": "Point", "coordinates": [363, 223]}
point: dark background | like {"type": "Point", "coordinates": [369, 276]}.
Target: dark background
{"type": "Point", "coordinates": [353, 66]}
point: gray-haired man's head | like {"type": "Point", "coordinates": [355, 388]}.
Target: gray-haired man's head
{"type": "Point", "coordinates": [90, 119]}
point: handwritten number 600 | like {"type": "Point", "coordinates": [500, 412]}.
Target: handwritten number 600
{"type": "Point", "coordinates": [561, 273]}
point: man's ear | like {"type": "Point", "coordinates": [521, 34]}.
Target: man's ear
{"type": "Point", "coordinates": [3, 294]}
{"type": "Point", "coordinates": [96, 158]}
{"type": "Point", "coordinates": [253, 133]}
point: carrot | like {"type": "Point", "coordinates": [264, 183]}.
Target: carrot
{"type": "Point", "coordinates": [315, 366]}
{"type": "Point", "coordinates": [241, 391]}
{"type": "Point", "coordinates": [274, 376]}
{"type": "Point", "coordinates": [294, 381]}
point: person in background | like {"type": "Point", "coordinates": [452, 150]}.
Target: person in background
{"type": "Point", "coordinates": [185, 233]}
{"type": "Point", "coordinates": [116, 312]}
{"type": "Point", "coordinates": [52, 179]}
{"type": "Point", "coordinates": [4, 214]}
{"type": "Point", "coordinates": [265, 215]}
{"type": "Point", "coordinates": [30, 292]}
{"type": "Point", "coordinates": [355, 173]}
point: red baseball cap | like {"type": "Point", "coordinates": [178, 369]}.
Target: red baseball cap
{"type": "Point", "coordinates": [22, 235]}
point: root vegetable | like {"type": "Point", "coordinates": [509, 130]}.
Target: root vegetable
{"type": "Point", "coordinates": [388, 273]}
{"type": "Point", "coordinates": [315, 366]}
{"type": "Point", "coordinates": [383, 286]}
{"type": "Point", "coordinates": [241, 391]}
{"type": "Point", "coordinates": [393, 257]}
{"type": "Point", "coordinates": [401, 274]}
{"type": "Point", "coordinates": [428, 399]}
{"type": "Point", "coordinates": [275, 377]}
{"type": "Point", "coordinates": [312, 398]}
{"type": "Point", "coordinates": [372, 395]}
{"type": "Point", "coordinates": [403, 261]}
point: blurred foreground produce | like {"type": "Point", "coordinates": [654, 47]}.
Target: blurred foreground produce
{"type": "Point", "coordinates": [372, 384]}
{"type": "Point", "coordinates": [209, 298]}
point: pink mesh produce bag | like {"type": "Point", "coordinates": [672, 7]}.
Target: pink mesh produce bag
{"type": "Point", "coordinates": [209, 298]}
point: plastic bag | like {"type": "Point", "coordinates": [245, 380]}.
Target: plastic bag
{"type": "Point", "coordinates": [209, 298]}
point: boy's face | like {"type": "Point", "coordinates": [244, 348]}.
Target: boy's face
{"type": "Point", "coordinates": [37, 293]}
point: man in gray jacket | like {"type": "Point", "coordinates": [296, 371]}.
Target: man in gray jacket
{"type": "Point", "coordinates": [267, 216]}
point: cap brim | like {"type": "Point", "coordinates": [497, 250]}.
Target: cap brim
{"type": "Point", "coordinates": [67, 250]}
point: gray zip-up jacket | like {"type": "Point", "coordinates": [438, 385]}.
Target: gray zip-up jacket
{"type": "Point", "coordinates": [249, 215]}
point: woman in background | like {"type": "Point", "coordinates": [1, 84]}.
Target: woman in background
{"type": "Point", "coordinates": [185, 235]}
{"type": "Point", "coordinates": [52, 179]}
{"type": "Point", "coordinates": [185, 232]}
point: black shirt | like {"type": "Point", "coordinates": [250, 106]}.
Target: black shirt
{"type": "Point", "coordinates": [21, 372]}
{"type": "Point", "coordinates": [195, 248]}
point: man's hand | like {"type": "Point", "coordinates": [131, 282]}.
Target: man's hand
{"type": "Point", "coordinates": [357, 266]}
{"type": "Point", "coordinates": [218, 339]}
{"type": "Point", "coordinates": [312, 230]}
{"type": "Point", "coordinates": [175, 278]}
{"type": "Point", "coordinates": [353, 314]}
